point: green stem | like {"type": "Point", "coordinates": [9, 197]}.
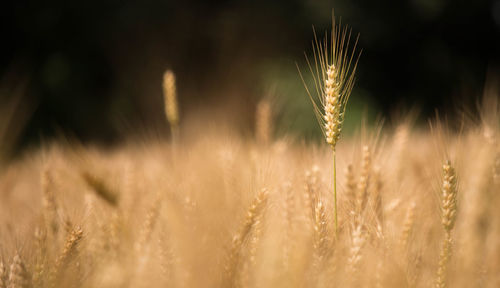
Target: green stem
{"type": "Point", "coordinates": [335, 191]}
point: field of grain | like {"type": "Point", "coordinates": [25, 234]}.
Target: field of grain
{"type": "Point", "coordinates": [408, 206]}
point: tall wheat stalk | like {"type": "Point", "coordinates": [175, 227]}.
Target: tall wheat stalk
{"type": "Point", "coordinates": [332, 69]}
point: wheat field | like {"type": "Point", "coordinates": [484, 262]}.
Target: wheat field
{"type": "Point", "coordinates": [224, 211]}
{"type": "Point", "coordinates": [408, 206]}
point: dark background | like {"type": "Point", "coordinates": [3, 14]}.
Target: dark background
{"type": "Point", "coordinates": [93, 69]}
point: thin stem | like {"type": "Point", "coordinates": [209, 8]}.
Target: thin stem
{"type": "Point", "coordinates": [335, 191]}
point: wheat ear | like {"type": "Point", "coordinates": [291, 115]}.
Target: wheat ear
{"type": "Point", "coordinates": [496, 170]}
{"type": "Point", "coordinates": [449, 210]}
{"type": "Point", "coordinates": [355, 255]}
{"type": "Point", "coordinates": [333, 72]}
{"type": "Point", "coordinates": [361, 194]}
{"type": "Point", "coordinates": [263, 121]}
{"type": "Point", "coordinates": [350, 187]}
{"type": "Point", "coordinates": [407, 226]}
{"type": "Point", "coordinates": [253, 215]}
{"type": "Point", "coordinates": [41, 248]}
{"type": "Point", "coordinates": [321, 240]}
{"type": "Point", "coordinates": [18, 277]}
{"type": "Point", "coordinates": [3, 275]}
{"type": "Point", "coordinates": [312, 189]}
{"type": "Point", "coordinates": [149, 224]}
{"type": "Point", "coordinates": [170, 101]}
{"type": "Point", "coordinates": [69, 251]}
{"type": "Point", "coordinates": [376, 199]}
{"type": "Point", "coordinates": [49, 202]}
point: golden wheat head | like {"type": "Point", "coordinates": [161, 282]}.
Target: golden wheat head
{"type": "Point", "coordinates": [333, 68]}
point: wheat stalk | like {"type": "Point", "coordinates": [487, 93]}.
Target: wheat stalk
{"type": "Point", "coordinates": [333, 76]}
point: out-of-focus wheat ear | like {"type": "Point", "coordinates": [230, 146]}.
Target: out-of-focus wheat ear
{"type": "Point", "coordinates": [400, 139]}
{"type": "Point", "coordinates": [355, 254]}
{"type": "Point", "coordinates": [149, 224]}
{"type": "Point", "coordinates": [407, 226]}
{"type": "Point", "coordinates": [100, 188]}
{"type": "Point", "coordinates": [321, 238]}
{"type": "Point", "coordinates": [246, 278]}
{"type": "Point", "coordinates": [376, 200]}
{"type": "Point", "coordinates": [496, 170]}
{"type": "Point", "coordinates": [414, 270]}
{"type": "Point", "coordinates": [68, 253]}
{"type": "Point", "coordinates": [263, 122]}
{"type": "Point", "coordinates": [170, 101]}
{"type": "Point", "coordinates": [167, 257]}
{"type": "Point", "coordinates": [350, 188]}
{"type": "Point", "coordinates": [41, 258]}
{"type": "Point", "coordinates": [449, 210]}
{"type": "Point", "coordinates": [361, 191]}
{"type": "Point", "coordinates": [311, 189]}
{"type": "Point", "coordinates": [49, 202]}
{"type": "Point", "coordinates": [254, 241]}
{"type": "Point", "coordinates": [444, 258]}
{"type": "Point", "coordinates": [288, 216]}
{"type": "Point", "coordinates": [3, 275]}
{"type": "Point", "coordinates": [253, 214]}
{"type": "Point", "coordinates": [18, 276]}
{"type": "Point", "coordinates": [114, 233]}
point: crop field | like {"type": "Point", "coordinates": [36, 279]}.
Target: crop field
{"type": "Point", "coordinates": [388, 206]}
